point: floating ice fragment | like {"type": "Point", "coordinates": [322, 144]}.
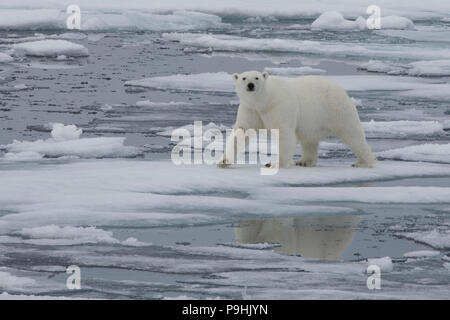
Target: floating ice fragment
{"type": "Point", "coordinates": [50, 48]}
{"type": "Point", "coordinates": [385, 263]}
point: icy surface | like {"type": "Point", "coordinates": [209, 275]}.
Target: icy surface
{"type": "Point", "coordinates": [145, 228]}
{"type": "Point", "coordinates": [333, 20]}
{"type": "Point", "coordinates": [425, 152]}
{"type": "Point", "coordinates": [220, 82]}
{"type": "Point", "coordinates": [385, 263]}
{"type": "Point", "coordinates": [433, 68]}
{"type": "Point", "coordinates": [5, 58]}
{"type": "Point", "coordinates": [65, 141]}
{"type": "Point", "coordinates": [328, 48]}
{"type": "Point", "coordinates": [50, 48]}
{"type": "Point", "coordinates": [299, 71]}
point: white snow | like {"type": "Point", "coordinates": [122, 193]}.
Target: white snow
{"type": "Point", "coordinates": [351, 194]}
{"type": "Point", "coordinates": [421, 254]}
{"type": "Point", "coordinates": [333, 20]}
{"type": "Point", "coordinates": [384, 263]}
{"type": "Point", "coordinates": [402, 128]}
{"type": "Point", "coordinates": [61, 132]}
{"type": "Point", "coordinates": [68, 235]}
{"type": "Point", "coordinates": [72, 235]}
{"type": "Point", "coordinates": [117, 192]}
{"type": "Point", "coordinates": [23, 19]}
{"type": "Point", "coordinates": [297, 71]}
{"type": "Point", "coordinates": [23, 156]}
{"type": "Point", "coordinates": [431, 152]}
{"type": "Point", "coordinates": [396, 22]}
{"type": "Point", "coordinates": [5, 58]}
{"type": "Point", "coordinates": [50, 48]}
{"type": "Point", "coordinates": [327, 48]}
{"type": "Point", "coordinates": [436, 238]}
{"type": "Point", "coordinates": [252, 8]}
{"type": "Point", "coordinates": [65, 141]}
{"type": "Point", "coordinates": [432, 68]}
{"type": "Point", "coordinates": [12, 282]}
{"type": "Point", "coordinates": [222, 82]}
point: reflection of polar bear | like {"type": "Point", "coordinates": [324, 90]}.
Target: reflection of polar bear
{"type": "Point", "coordinates": [305, 109]}
{"type": "Point", "coordinates": [321, 237]}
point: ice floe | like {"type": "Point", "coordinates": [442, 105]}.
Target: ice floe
{"type": "Point", "coordinates": [421, 254]}
{"type": "Point", "coordinates": [5, 58]}
{"type": "Point", "coordinates": [333, 20]}
{"type": "Point", "coordinates": [65, 141]}
{"type": "Point", "coordinates": [117, 192]}
{"type": "Point", "coordinates": [299, 71]}
{"type": "Point", "coordinates": [367, 195]}
{"type": "Point", "coordinates": [99, 20]}
{"type": "Point", "coordinates": [402, 128]}
{"type": "Point", "coordinates": [12, 282]}
{"type": "Point", "coordinates": [436, 238]}
{"type": "Point", "coordinates": [67, 235]}
{"type": "Point", "coordinates": [431, 152]}
{"type": "Point", "coordinates": [264, 9]}
{"type": "Point", "coordinates": [222, 82]}
{"type": "Point", "coordinates": [432, 68]}
{"type": "Point", "coordinates": [384, 263]}
{"type": "Point", "coordinates": [50, 48]}
{"type": "Point", "coordinates": [231, 43]}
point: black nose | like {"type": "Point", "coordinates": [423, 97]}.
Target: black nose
{"type": "Point", "coordinates": [251, 86]}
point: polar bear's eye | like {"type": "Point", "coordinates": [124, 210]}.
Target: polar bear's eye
{"type": "Point", "coordinates": [244, 78]}
{"type": "Point", "coordinates": [256, 78]}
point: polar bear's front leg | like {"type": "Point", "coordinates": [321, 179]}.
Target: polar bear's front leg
{"type": "Point", "coordinates": [287, 147]}
{"type": "Point", "coordinates": [309, 153]}
{"type": "Point", "coordinates": [232, 148]}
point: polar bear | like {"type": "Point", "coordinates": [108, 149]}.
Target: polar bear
{"type": "Point", "coordinates": [306, 109]}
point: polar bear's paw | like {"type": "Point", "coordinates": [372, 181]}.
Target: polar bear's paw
{"type": "Point", "coordinates": [223, 164]}
{"type": "Point", "coordinates": [271, 165]}
{"type": "Point", "coordinates": [359, 164]}
{"type": "Point", "coordinates": [305, 163]}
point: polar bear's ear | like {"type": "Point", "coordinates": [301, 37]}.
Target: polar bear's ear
{"type": "Point", "coordinates": [265, 75]}
{"type": "Point", "coordinates": [235, 76]}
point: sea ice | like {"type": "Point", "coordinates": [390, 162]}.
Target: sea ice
{"type": "Point", "coordinates": [50, 48]}
{"type": "Point", "coordinates": [333, 20]}
{"type": "Point", "coordinates": [385, 263]}
{"type": "Point", "coordinates": [5, 58]}
{"type": "Point", "coordinates": [294, 71]}
{"type": "Point", "coordinates": [65, 141]}
{"type": "Point", "coordinates": [431, 152]}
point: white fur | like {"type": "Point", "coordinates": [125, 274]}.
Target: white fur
{"type": "Point", "coordinates": [305, 110]}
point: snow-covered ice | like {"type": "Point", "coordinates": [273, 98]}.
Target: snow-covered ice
{"type": "Point", "coordinates": [433, 68]}
{"type": "Point", "coordinates": [65, 141]}
{"type": "Point", "coordinates": [333, 20]}
{"type": "Point", "coordinates": [142, 227]}
{"type": "Point", "coordinates": [220, 82]}
{"type": "Point", "coordinates": [5, 58]}
{"type": "Point", "coordinates": [436, 238]}
{"type": "Point", "coordinates": [50, 48]}
{"type": "Point", "coordinates": [431, 152]}
{"type": "Point", "coordinates": [298, 71]}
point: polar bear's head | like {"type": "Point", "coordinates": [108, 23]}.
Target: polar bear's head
{"type": "Point", "coordinates": [249, 84]}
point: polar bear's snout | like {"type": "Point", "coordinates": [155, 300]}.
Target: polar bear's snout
{"type": "Point", "coordinates": [251, 86]}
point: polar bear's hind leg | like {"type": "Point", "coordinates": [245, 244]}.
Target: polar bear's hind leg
{"type": "Point", "coordinates": [356, 141]}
